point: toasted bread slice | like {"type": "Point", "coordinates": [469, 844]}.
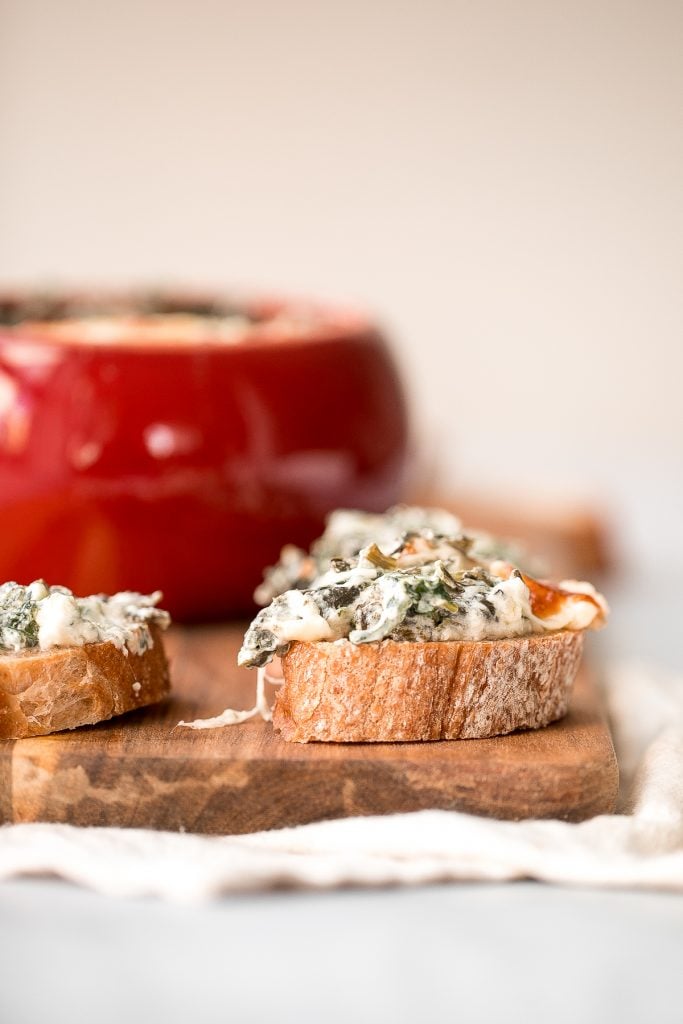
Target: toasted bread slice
{"type": "Point", "coordinates": [47, 691]}
{"type": "Point", "coordinates": [402, 691]}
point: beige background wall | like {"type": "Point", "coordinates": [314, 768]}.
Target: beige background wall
{"type": "Point", "coordinates": [500, 181]}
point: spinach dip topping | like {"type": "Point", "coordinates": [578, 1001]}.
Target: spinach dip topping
{"type": "Point", "coordinates": [348, 531]}
{"type": "Point", "coordinates": [40, 617]}
{"type": "Point", "coordinates": [426, 590]}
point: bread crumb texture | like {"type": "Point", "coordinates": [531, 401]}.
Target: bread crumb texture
{"type": "Point", "coordinates": [45, 692]}
{"type": "Point", "coordinates": [393, 691]}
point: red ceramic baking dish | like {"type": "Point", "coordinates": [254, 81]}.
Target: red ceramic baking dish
{"type": "Point", "coordinates": [175, 442]}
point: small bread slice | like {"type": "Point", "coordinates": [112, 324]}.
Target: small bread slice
{"type": "Point", "coordinates": [393, 691]}
{"type": "Point", "coordinates": [47, 691]}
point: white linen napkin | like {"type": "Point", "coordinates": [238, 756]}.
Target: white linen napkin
{"type": "Point", "coordinates": [640, 847]}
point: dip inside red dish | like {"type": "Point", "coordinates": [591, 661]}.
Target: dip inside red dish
{"type": "Point", "coordinates": [175, 442]}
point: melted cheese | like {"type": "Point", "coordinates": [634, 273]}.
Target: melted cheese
{"type": "Point", "coordinates": [43, 617]}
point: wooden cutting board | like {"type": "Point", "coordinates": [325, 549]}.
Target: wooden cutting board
{"type": "Point", "coordinates": [140, 771]}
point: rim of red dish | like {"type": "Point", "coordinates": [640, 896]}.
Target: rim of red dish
{"type": "Point", "coordinates": [34, 316]}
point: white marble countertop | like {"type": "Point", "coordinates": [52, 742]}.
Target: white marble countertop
{"type": "Point", "coordinates": [476, 953]}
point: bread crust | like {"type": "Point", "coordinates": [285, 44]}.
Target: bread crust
{"type": "Point", "coordinates": [393, 691]}
{"type": "Point", "coordinates": [48, 691]}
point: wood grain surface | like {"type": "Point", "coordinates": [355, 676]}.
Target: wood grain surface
{"type": "Point", "coordinates": [141, 771]}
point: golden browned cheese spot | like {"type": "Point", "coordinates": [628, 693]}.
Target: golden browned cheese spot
{"type": "Point", "coordinates": [547, 600]}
